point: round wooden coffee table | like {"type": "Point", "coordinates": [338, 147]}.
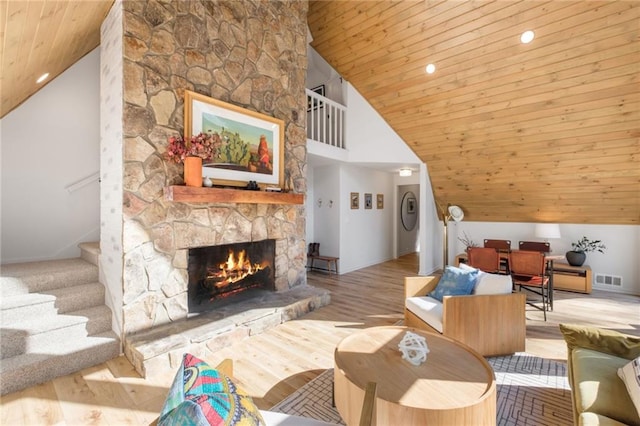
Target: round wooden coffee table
{"type": "Point", "coordinates": [454, 386]}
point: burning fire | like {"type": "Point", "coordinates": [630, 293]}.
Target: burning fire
{"type": "Point", "coordinates": [233, 270]}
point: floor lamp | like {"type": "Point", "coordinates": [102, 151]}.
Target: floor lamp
{"type": "Point", "coordinates": [455, 213]}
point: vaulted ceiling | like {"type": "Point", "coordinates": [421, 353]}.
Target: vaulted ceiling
{"type": "Point", "coordinates": [541, 132]}
{"type": "Point", "coordinates": [46, 36]}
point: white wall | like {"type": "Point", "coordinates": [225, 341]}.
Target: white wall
{"type": "Point", "coordinates": [111, 163]}
{"type": "Point", "coordinates": [430, 236]}
{"type": "Point", "coordinates": [320, 72]}
{"type": "Point", "coordinates": [367, 236]}
{"type": "Point", "coordinates": [308, 206]}
{"type": "Point", "coordinates": [370, 139]}
{"type": "Point", "coordinates": [326, 215]}
{"type": "Point", "coordinates": [621, 257]}
{"type": "Point", "coordinates": [361, 237]}
{"type": "Point", "coordinates": [49, 142]}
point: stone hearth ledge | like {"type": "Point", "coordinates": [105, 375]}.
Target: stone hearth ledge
{"type": "Point", "coordinates": [160, 349]}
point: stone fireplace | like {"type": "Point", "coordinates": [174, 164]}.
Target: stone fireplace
{"type": "Point", "coordinates": [151, 52]}
{"type": "Point", "coordinates": [229, 273]}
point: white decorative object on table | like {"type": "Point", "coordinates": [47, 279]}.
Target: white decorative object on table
{"type": "Point", "coordinates": [414, 348]}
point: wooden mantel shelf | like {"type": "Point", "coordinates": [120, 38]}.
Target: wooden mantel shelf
{"type": "Point", "coordinates": [194, 194]}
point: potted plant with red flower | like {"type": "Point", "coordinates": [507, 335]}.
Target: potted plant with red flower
{"type": "Point", "coordinates": [191, 152]}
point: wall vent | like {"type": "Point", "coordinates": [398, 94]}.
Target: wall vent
{"type": "Point", "coordinates": [606, 280]}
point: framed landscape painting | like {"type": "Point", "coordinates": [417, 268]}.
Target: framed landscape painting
{"type": "Point", "coordinates": [252, 147]}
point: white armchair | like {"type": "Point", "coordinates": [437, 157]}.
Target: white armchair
{"type": "Point", "coordinates": [491, 321]}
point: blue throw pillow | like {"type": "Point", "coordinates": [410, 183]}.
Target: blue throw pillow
{"type": "Point", "coordinates": [455, 282]}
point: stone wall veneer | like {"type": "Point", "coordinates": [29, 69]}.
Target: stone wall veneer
{"type": "Point", "coordinates": [249, 53]}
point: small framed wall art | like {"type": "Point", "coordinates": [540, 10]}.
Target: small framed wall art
{"type": "Point", "coordinates": [411, 205]}
{"type": "Point", "coordinates": [355, 200]}
{"type": "Point", "coordinates": [380, 201]}
{"type": "Point", "coordinates": [368, 201]}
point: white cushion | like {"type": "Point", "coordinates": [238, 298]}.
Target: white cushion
{"type": "Point", "coordinates": [493, 284]}
{"type": "Point", "coordinates": [466, 267]}
{"type": "Point", "coordinates": [630, 375]}
{"type": "Point", "coordinates": [271, 418]}
{"type": "Point", "coordinates": [427, 309]}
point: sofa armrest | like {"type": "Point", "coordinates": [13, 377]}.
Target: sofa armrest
{"type": "Point", "coordinates": [420, 286]}
{"type": "Point", "coordinates": [602, 340]}
{"type": "Point", "coordinates": [492, 324]}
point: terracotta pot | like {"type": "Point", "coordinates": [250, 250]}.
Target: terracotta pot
{"type": "Point", "coordinates": [193, 171]}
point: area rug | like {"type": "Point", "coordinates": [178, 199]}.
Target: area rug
{"type": "Point", "coordinates": [531, 391]}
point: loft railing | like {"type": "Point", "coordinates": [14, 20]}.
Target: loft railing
{"type": "Point", "coordinates": [325, 120]}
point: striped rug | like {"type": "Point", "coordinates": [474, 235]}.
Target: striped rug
{"type": "Point", "coordinates": [531, 391]}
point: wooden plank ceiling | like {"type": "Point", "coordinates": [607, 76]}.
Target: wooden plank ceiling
{"type": "Point", "coordinates": [541, 132]}
{"type": "Point", "coordinates": [38, 37]}
{"type": "Point", "coordinates": [544, 132]}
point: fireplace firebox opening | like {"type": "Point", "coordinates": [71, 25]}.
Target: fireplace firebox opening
{"type": "Point", "coordinates": [228, 273]}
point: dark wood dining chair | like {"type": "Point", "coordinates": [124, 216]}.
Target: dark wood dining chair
{"type": "Point", "coordinates": [503, 246]}
{"type": "Point", "coordinates": [500, 245]}
{"type": "Point", "coordinates": [483, 258]}
{"type": "Point", "coordinates": [534, 246]}
{"type": "Point", "coordinates": [528, 272]}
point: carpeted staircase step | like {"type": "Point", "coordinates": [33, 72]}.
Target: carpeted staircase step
{"type": "Point", "coordinates": [33, 368]}
{"type": "Point", "coordinates": [90, 252]}
{"type": "Point", "coordinates": [32, 277]}
{"type": "Point", "coordinates": [53, 320]}
{"type": "Point", "coordinates": [43, 335]}
{"type": "Point", "coordinates": [50, 303]}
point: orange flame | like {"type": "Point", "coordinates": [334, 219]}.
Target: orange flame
{"type": "Point", "coordinates": [234, 269]}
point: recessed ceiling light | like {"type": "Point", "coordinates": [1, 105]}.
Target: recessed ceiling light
{"type": "Point", "coordinates": [42, 78]}
{"type": "Point", "coordinates": [431, 69]}
{"type": "Point", "coordinates": [527, 36]}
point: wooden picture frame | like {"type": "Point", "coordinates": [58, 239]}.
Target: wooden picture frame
{"type": "Point", "coordinates": [380, 201]}
{"type": "Point", "coordinates": [368, 201]}
{"type": "Point", "coordinates": [252, 147]}
{"type": "Point", "coordinates": [355, 200]}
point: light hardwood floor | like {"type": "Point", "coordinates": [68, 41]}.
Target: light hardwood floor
{"type": "Point", "coordinates": [272, 365]}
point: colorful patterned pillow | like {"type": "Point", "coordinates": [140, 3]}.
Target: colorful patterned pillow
{"type": "Point", "coordinates": [455, 282]}
{"type": "Point", "coordinates": [202, 395]}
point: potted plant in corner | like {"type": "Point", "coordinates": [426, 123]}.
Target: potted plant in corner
{"type": "Point", "coordinates": [578, 253]}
